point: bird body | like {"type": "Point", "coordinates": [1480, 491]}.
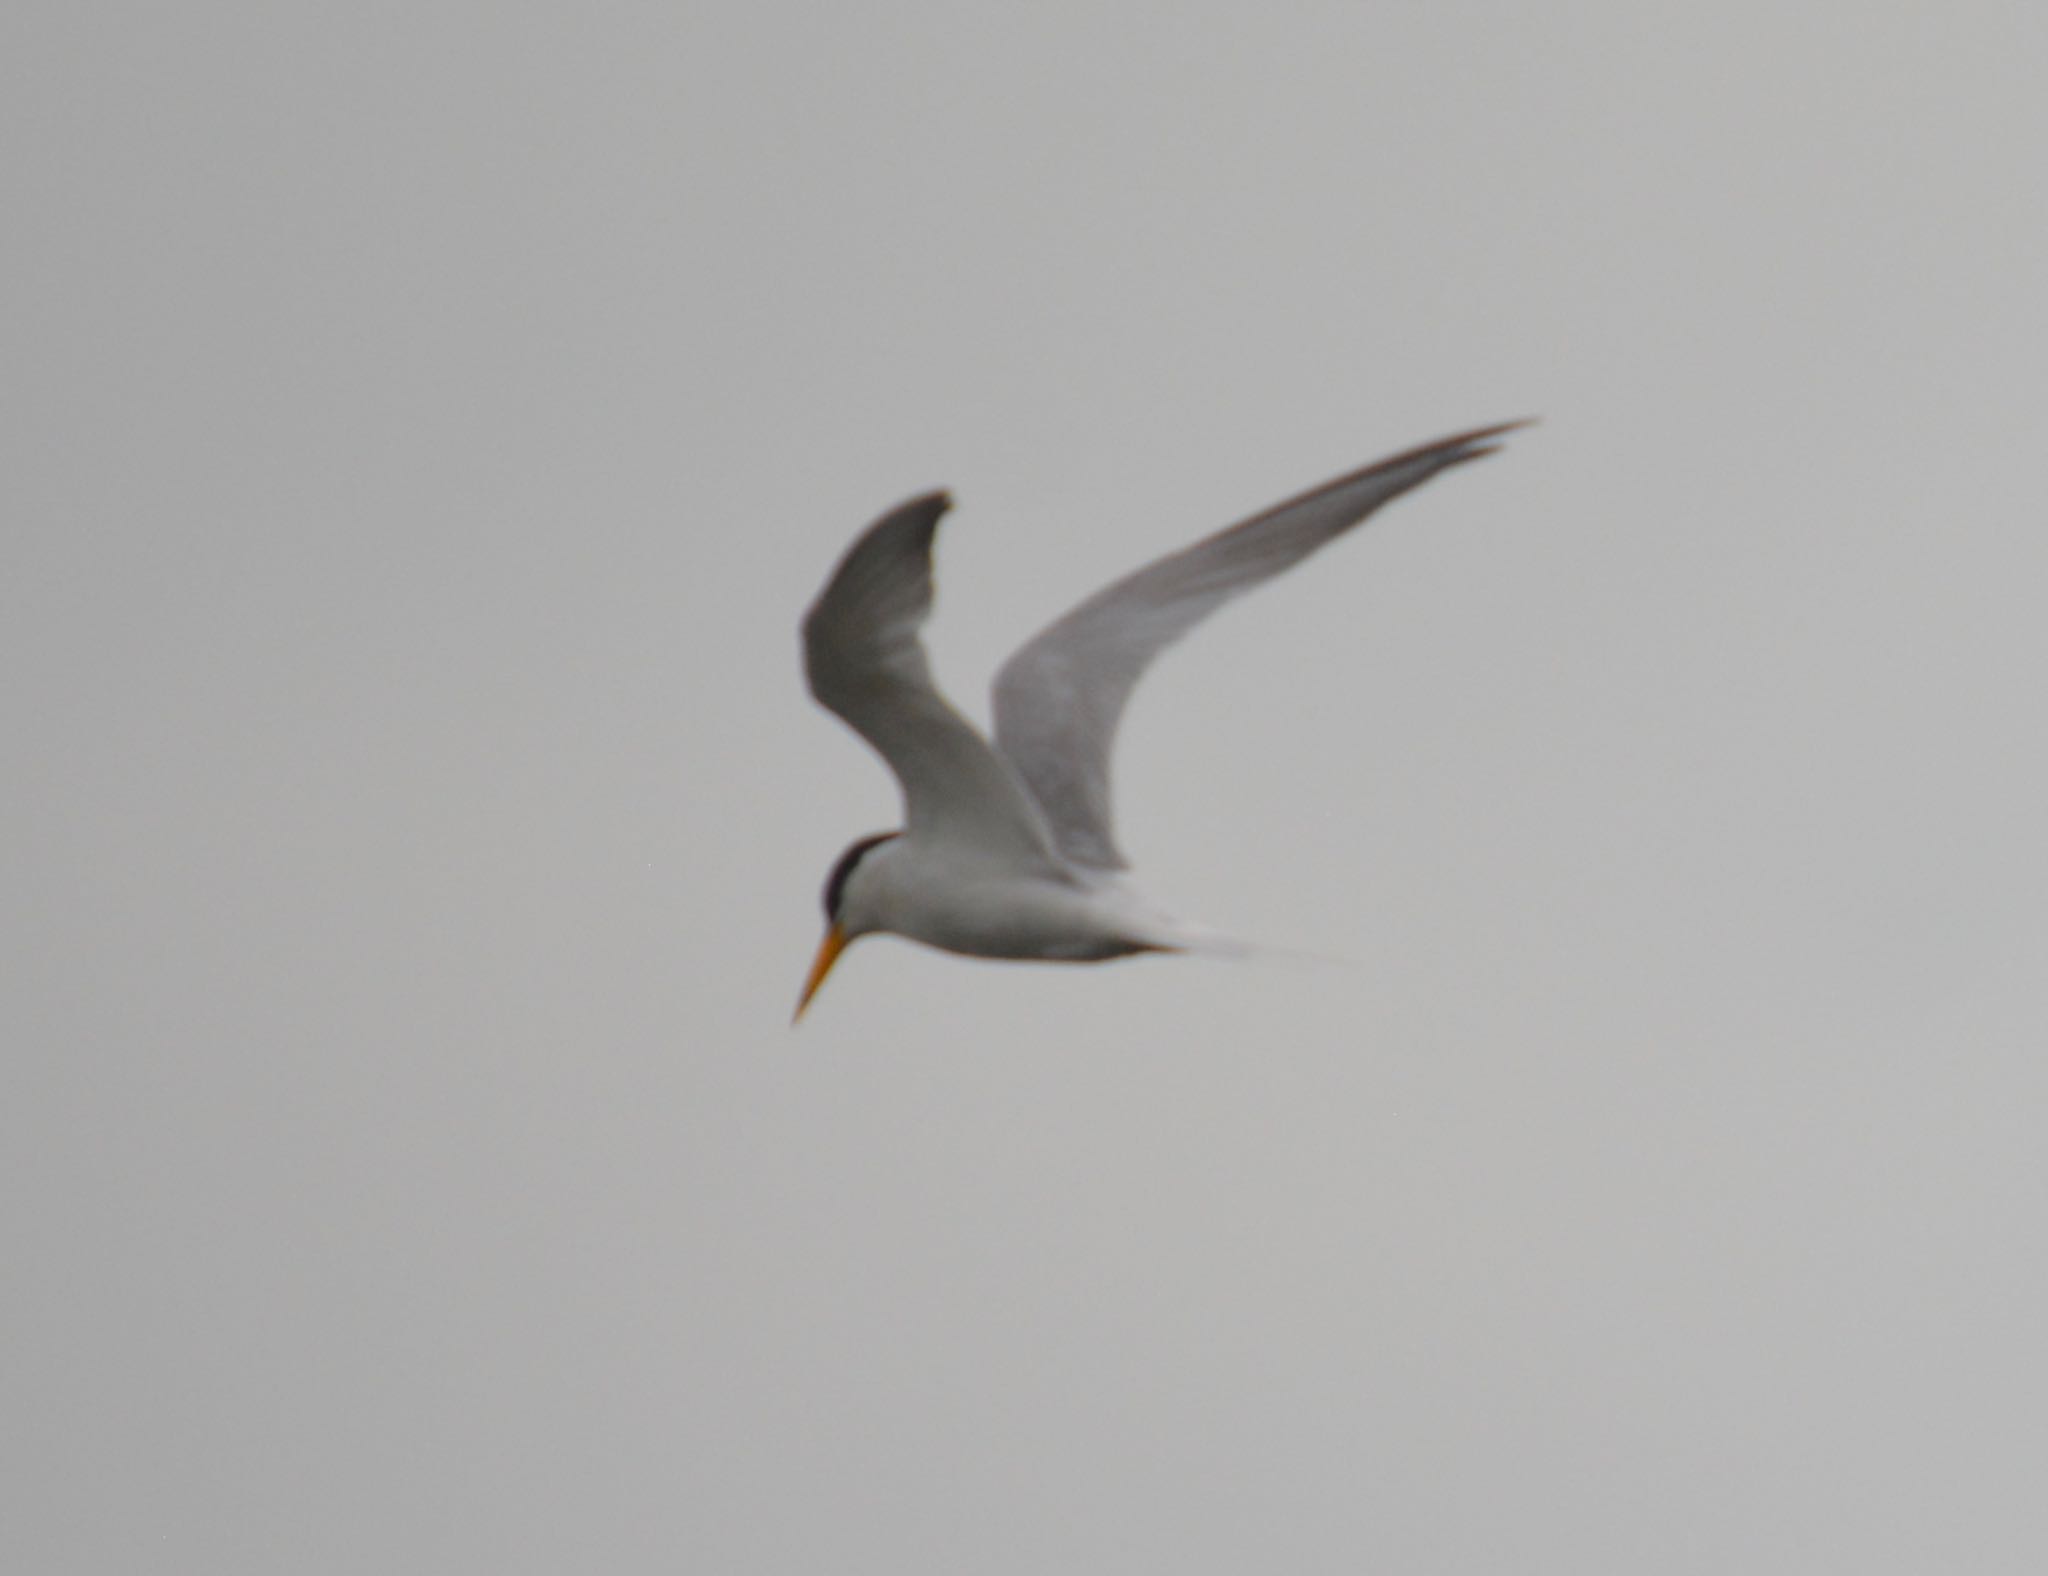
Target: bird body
{"type": "Point", "coordinates": [1008, 848]}
{"type": "Point", "coordinates": [985, 909]}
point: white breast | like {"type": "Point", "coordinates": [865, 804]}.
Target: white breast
{"type": "Point", "coordinates": [990, 911]}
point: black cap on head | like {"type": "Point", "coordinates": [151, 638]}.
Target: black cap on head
{"type": "Point", "coordinates": [835, 883]}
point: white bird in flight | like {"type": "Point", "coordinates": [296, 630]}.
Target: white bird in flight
{"type": "Point", "coordinates": [1006, 849]}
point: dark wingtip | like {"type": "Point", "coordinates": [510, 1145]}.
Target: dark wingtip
{"type": "Point", "coordinates": [1482, 438]}
{"type": "Point", "coordinates": [1463, 446]}
{"type": "Point", "coordinates": [921, 515]}
{"type": "Point", "coordinates": [1458, 447]}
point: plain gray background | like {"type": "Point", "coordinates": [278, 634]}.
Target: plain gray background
{"type": "Point", "coordinates": [424, 427]}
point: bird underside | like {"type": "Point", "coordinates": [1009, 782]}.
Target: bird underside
{"type": "Point", "coordinates": [1089, 919]}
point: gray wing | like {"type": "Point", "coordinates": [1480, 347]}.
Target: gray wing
{"type": "Point", "coordinates": [865, 662]}
{"type": "Point", "coordinates": [1059, 698]}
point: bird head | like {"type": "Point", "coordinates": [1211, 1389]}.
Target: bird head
{"type": "Point", "coordinates": [845, 915]}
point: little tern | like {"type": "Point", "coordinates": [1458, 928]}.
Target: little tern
{"type": "Point", "coordinates": [1007, 849]}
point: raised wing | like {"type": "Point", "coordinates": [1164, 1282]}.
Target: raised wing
{"type": "Point", "coordinates": [865, 662]}
{"type": "Point", "coordinates": [1059, 698]}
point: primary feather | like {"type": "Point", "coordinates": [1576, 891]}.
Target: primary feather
{"type": "Point", "coordinates": [866, 663]}
{"type": "Point", "coordinates": [1059, 699]}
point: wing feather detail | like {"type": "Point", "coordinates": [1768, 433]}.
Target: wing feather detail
{"type": "Point", "coordinates": [1060, 697]}
{"type": "Point", "coordinates": [866, 663]}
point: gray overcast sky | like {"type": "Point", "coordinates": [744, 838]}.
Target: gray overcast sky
{"type": "Point", "coordinates": [424, 427]}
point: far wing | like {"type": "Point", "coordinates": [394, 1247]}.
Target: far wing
{"type": "Point", "coordinates": [1059, 698]}
{"type": "Point", "coordinates": [865, 662]}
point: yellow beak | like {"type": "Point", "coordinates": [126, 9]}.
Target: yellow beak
{"type": "Point", "coordinates": [828, 954]}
